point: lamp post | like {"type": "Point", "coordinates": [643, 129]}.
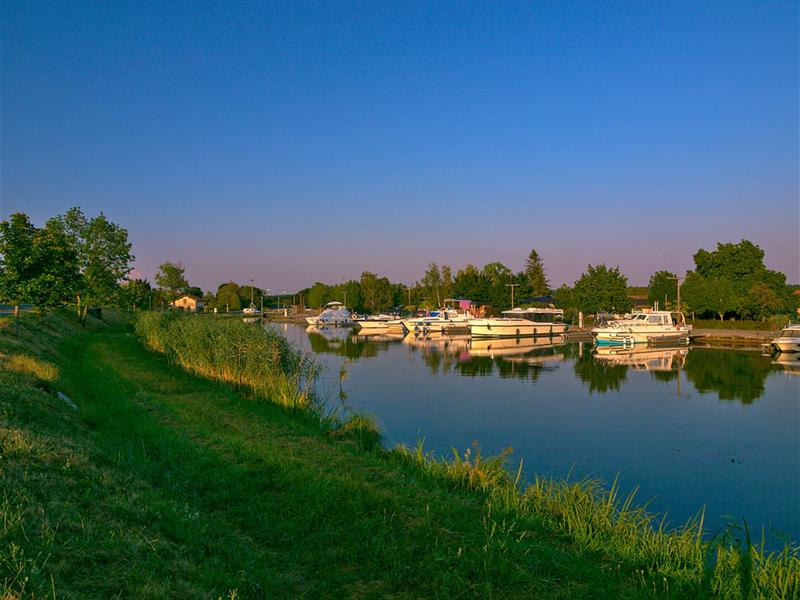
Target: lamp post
{"type": "Point", "coordinates": [252, 289]}
{"type": "Point", "coordinates": [512, 286]}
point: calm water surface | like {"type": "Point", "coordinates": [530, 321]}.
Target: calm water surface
{"type": "Point", "coordinates": [692, 427]}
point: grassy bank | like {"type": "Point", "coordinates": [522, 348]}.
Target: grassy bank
{"type": "Point", "coordinates": [162, 483]}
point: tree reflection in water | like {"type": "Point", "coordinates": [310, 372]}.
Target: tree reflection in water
{"type": "Point", "coordinates": [600, 376]}
{"type": "Point", "coordinates": [344, 342]}
{"type": "Point", "coordinates": [733, 374]}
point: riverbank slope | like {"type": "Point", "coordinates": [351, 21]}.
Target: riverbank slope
{"type": "Point", "coordinates": [123, 475]}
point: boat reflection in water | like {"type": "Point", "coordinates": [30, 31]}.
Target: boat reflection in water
{"type": "Point", "coordinates": [377, 335]}
{"type": "Point", "coordinates": [788, 362]}
{"type": "Point", "coordinates": [492, 347]}
{"type": "Point", "coordinates": [643, 358]}
{"type": "Point", "coordinates": [442, 342]}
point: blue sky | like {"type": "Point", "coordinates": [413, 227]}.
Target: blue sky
{"type": "Point", "coordinates": [294, 142]}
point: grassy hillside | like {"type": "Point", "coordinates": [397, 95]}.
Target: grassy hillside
{"type": "Point", "coordinates": [146, 480]}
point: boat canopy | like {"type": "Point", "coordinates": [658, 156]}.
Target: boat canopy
{"type": "Point", "coordinates": [333, 304]}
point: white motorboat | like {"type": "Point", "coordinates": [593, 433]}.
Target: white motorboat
{"type": "Point", "coordinates": [375, 321]}
{"type": "Point", "coordinates": [658, 326]}
{"type": "Point", "coordinates": [335, 313]}
{"type": "Point", "coordinates": [521, 322]}
{"type": "Point", "coordinates": [446, 320]}
{"type": "Point", "coordinates": [788, 340]}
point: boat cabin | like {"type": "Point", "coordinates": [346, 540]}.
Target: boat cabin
{"type": "Point", "coordinates": [791, 332]}
{"type": "Point", "coordinates": [537, 315]}
{"type": "Point", "coordinates": [656, 317]}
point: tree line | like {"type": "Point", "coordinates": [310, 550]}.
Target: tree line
{"type": "Point", "coordinates": [86, 262]}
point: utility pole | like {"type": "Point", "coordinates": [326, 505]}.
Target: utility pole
{"type": "Point", "coordinates": [512, 286]}
{"type": "Point", "coordinates": [252, 289]}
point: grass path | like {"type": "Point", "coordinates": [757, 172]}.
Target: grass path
{"type": "Point", "coordinates": [199, 491]}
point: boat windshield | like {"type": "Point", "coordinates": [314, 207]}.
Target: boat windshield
{"type": "Point", "coordinates": [790, 333]}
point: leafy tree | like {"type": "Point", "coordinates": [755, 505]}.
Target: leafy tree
{"type": "Point", "coordinates": [564, 297]}
{"type": "Point", "coordinates": [536, 276]}
{"type": "Point", "coordinates": [447, 282]}
{"type": "Point", "coordinates": [136, 293]}
{"type": "Point", "coordinates": [762, 301]}
{"type": "Point", "coordinates": [210, 301]}
{"type": "Point", "coordinates": [229, 296]}
{"type": "Point", "coordinates": [318, 295]}
{"type": "Point", "coordinates": [663, 287]}
{"type": "Point", "coordinates": [103, 256]}
{"type": "Point", "coordinates": [171, 279]}
{"type": "Point", "coordinates": [55, 269]}
{"type": "Point", "coordinates": [469, 283]}
{"type": "Point", "coordinates": [496, 276]}
{"type": "Point", "coordinates": [250, 294]}
{"type": "Point", "coordinates": [37, 265]}
{"type": "Point", "coordinates": [16, 267]}
{"type": "Point", "coordinates": [730, 273]}
{"type": "Point", "coordinates": [601, 289]}
{"type": "Point", "coordinates": [376, 292]}
{"type": "Point", "coordinates": [709, 295]}
{"type": "Point", "coordinates": [432, 285]}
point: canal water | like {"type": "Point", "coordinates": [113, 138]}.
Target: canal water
{"type": "Point", "coordinates": [692, 427]}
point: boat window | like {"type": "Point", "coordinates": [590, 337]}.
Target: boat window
{"type": "Point", "coordinates": [791, 333]}
{"type": "Point", "coordinates": [654, 319]}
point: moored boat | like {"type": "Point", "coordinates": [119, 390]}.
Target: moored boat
{"type": "Point", "coordinates": [658, 326]}
{"type": "Point", "coordinates": [521, 322]}
{"type": "Point", "coordinates": [335, 313]}
{"type": "Point", "coordinates": [374, 322]}
{"type": "Point", "coordinates": [788, 340]}
{"type": "Point", "coordinates": [446, 320]}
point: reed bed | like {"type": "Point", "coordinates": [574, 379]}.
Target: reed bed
{"type": "Point", "coordinates": [258, 361]}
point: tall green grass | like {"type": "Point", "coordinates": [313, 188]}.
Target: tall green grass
{"type": "Point", "coordinates": [253, 359]}
{"type": "Point", "coordinates": [671, 562]}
